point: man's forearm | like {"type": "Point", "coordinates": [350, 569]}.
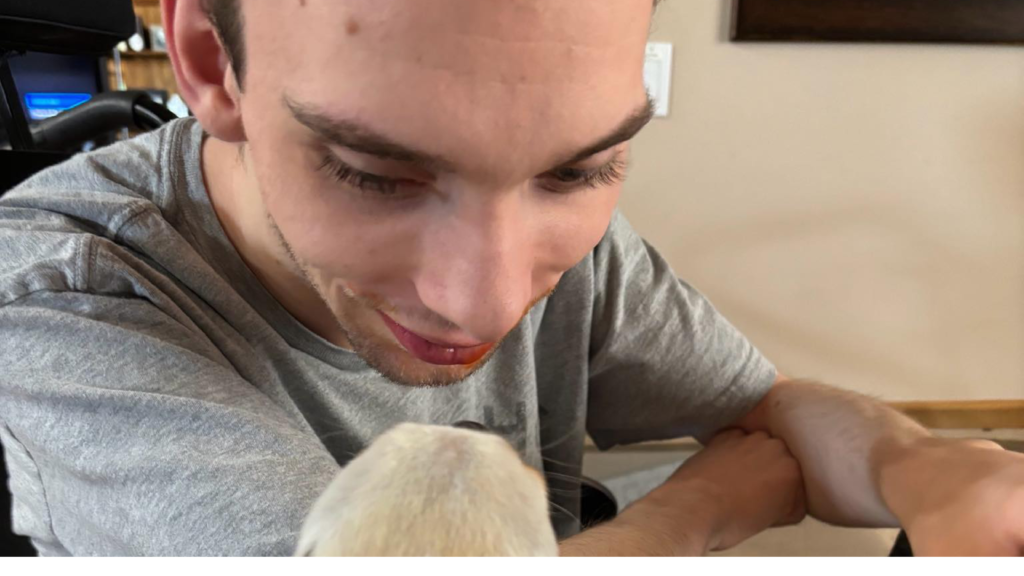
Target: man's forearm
{"type": "Point", "coordinates": [650, 527]}
{"type": "Point", "coordinates": [843, 441]}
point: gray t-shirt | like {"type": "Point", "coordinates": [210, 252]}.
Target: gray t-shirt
{"type": "Point", "coordinates": [155, 399]}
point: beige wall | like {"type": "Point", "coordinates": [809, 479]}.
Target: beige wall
{"type": "Point", "coordinates": [857, 210]}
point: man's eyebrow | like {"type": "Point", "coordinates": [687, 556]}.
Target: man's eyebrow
{"type": "Point", "coordinates": [629, 128]}
{"type": "Point", "coordinates": [349, 134]}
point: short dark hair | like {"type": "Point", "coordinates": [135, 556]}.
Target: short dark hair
{"type": "Point", "coordinates": [226, 17]}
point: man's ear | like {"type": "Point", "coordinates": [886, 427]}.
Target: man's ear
{"type": "Point", "coordinates": [203, 70]}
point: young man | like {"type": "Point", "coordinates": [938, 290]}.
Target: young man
{"type": "Point", "coordinates": [395, 210]}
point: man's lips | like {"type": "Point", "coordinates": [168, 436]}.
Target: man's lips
{"type": "Point", "coordinates": [433, 352]}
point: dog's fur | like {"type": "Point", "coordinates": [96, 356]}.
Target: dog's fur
{"type": "Point", "coordinates": [423, 490]}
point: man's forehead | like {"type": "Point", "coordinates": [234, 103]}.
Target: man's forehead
{"type": "Point", "coordinates": [511, 44]}
{"type": "Point", "coordinates": [572, 21]}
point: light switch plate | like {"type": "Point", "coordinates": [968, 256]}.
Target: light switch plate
{"type": "Point", "coordinates": [658, 75]}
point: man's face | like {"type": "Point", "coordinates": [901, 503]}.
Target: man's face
{"type": "Point", "coordinates": [433, 168]}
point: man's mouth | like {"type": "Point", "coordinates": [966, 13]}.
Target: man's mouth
{"type": "Point", "coordinates": [433, 352]}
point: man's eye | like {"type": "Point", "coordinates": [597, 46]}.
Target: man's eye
{"type": "Point", "coordinates": [565, 180]}
{"type": "Point", "coordinates": [358, 179]}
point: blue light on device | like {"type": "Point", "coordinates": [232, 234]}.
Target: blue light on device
{"type": "Point", "coordinates": [42, 105]}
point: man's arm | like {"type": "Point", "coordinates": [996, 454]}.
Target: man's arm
{"type": "Point", "coordinates": [649, 527]}
{"type": "Point", "coordinates": [736, 487]}
{"type": "Point", "coordinates": [129, 434]}
{"type": "Point", "coordinates": [865, 464]}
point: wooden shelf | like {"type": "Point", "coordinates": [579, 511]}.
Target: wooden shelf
{"type": "Point", "coordinates": [986, 414]}
{"type": "Point", "coordinates": [954, 415]}
{"type": "Point", "coordinates": [144, 54]}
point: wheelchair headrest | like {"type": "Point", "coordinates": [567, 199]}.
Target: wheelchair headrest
{"type": "Point", "coordinates": [65, 26]}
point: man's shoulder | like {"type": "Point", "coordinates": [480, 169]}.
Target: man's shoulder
{"type": "Point", "coordinates": [55, 225]}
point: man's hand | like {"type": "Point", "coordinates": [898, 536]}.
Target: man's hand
{"type": "Point", "coordinates": [956, 497]}
{"type": "Point", "coordinates": [751, 482]}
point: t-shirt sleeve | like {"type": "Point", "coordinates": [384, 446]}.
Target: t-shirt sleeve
{"type": "Point", "coordinates": [663, 362]}
{"type": "Point", "coordinates": [127, 434]}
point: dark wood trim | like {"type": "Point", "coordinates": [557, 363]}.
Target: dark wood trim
{"type": "Point", "coordinates": [948, 21]}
